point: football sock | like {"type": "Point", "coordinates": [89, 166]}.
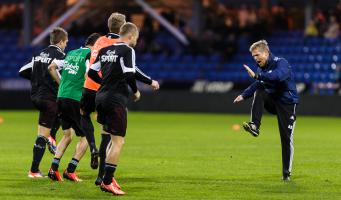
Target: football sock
{"type": "Point", "coordinates": [38, 152]}
{"type": "Point", "coordinates": [102, 153]}
{"type": "Point", "coordinates": [55, 164]}
{"type": "Point", "coordinates": [89, 131]}
{"type": "Point", "coordinates": [109, 173]}
{"type": "Point", "coordinates": [72, 165]}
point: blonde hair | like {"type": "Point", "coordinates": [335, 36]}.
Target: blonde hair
{"type": "Point", "coordinates": [115, 21]}
{"type": "Point", "coordinates": [261, 45]}
{"type": "Point", "coordinates": [128, 28]}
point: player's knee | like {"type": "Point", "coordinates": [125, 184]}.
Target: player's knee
{"type": "Point", "coordinates": [41, 141]}
{"type": "Point", "coordinates": [44, 131]}
{"type": "Point", "coordinates": [67, 136]}
{"type": "Point", "coordinates": [118, 142]}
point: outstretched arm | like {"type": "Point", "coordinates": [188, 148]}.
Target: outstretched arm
{"type": "Point", "coordinates": [140, 76]}
{"type": "Point", "coordinates": [248, 92]}
{"type": "Point", "coordinates": [280, 73]}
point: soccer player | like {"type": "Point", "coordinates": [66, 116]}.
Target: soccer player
{"type": "Point", "coordinates": [73, 69]}
{"type": "Point", "coordinates": [117, 64]}
{"type": "Point", "coordinates": [275, 90]}
{"type": "Point", "coordinates": [44, 92]}
{"type": "Point", "coordinates": [115, 21]}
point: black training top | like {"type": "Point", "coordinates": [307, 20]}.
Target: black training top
{"type": "Point", "coordinates": [43, 86]}
{"type": "Point", "coordinates": [117, 64]}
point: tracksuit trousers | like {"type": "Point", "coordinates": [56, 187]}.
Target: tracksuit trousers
{"type": "Point", "coordinates": [286, 117]}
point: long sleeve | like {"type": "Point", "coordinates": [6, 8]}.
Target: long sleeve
{"type": "Point", "coordinates": [26, 70]}
{"type": "Point", "coordinates": [94, 69]}
{"type": "Point", "coordinates": [128, 67]}
{"type": "Point", "coordinates": [132, 83]}
{"type": "Point", "coordinates": [140, 76]}
{"type": "Point", "coordinates": [248, 92]}
{"type": "Point", "coordinates": [93, 74]}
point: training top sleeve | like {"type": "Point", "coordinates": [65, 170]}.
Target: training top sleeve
{"type": "Point", "coordinates": [59, 63]}
{"type": "Point", "coordinates": [97, 63]}
{"type": "Point", "coordinates": [26, 70]}
{"type": "Point", "coordinates": [140, 76]}
{"type": "Point", "coordinates": [94, 69]}
{"type": "Point", "coordinates": [87, 61]}
{"type": "Point", "coordinates": [127, 62]}
{"type": "Point", "coordinates": [248, 92]}
{"type": "Point", "coordinates": [132, 83]}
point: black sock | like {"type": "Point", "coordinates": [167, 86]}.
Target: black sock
{"type": "Point", "coordinates": [89, 131]}
{"type": "Point", "coordinates": [102, 153]}
{"type": "Point", "coordinates": [72, 165]}
{"type": "Point", "coordinates": [55, 128]}
{"type": "Point", "coordinates": [55, 164]}
{"type": "Point", "coordinates": [109, 173]}
{"type": "Point", "coordinates": [38, 152]}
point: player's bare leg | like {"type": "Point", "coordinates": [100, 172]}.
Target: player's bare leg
{"type": "Point", "coordinates": [61, 147]}
{"type": "Point", "coordinates": [81, 148]}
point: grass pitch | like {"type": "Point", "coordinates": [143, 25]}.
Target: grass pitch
{"type": "Point", "coordinates": [184, 156]}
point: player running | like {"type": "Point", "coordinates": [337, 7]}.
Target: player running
{"type": "Point", "coordinates": [115, 21]}
{"type": "Point", "coordinates": [44, 93]}
{"type": "Point", "coordinates": [69, 94]}
{"type": "Point", "coordinates": [117, 64]}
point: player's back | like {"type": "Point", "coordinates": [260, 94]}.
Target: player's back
{"type": "Point", "coordinates": [102, 42]}
{"type": "Point", "coordinates": [116, 62]}
{"type": "Point", "coordinates": [43, 86]}
{"type": "Point", "coordinates": [73, 71]}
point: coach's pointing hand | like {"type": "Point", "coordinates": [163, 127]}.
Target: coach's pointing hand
{"type": "Point", "coordinates": [137, 96]}
{"type": "Point", "coordinates": [238, 99]}
{"type": "Point", "coordinates": [249, 71]}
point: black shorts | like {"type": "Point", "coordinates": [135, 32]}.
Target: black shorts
{"type": "Point", "coordinates": [47, 111]}
{"type": "Point", "coordinates": [113, 118]}
{"type": "Point", "coordinates": [88, 101]}
{"type": "Point", "coordinates": [69, 112]}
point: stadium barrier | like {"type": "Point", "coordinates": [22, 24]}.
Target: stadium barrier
{"type": "Point", "coordinates": [184, 101]}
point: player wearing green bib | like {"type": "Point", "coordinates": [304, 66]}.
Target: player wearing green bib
{"type": "Point", "coordinates": [73, 70]}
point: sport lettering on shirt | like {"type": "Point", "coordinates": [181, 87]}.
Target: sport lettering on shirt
{"type": "Point", "coordinates": [43, 57]}
{"type": "Point", "coordinates": [109, 57]}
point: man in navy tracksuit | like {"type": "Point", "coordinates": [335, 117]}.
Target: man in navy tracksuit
{"type": "Point", "coordinates": [275, 90]}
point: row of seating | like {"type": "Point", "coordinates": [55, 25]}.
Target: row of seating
{"type": "Point", "coordinates": [311, 64]}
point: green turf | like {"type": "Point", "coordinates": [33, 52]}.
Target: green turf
{"type": "Point", "coordinates": [185, 156]}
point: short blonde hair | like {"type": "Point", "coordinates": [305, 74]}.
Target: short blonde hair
{"type": "Point", "coordinates": [261, 44]}
{"type": "Point", "coordinates": [115, 21]}
{"type": "Point", "coordinates": [128, 28]}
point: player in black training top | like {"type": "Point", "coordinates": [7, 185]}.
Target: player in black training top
{"type": "Point", "coordinates": [117, 64]}
{"type": "Point", "coordinates": [115, 21]}
{"type": "Point", "coordinates": [44, 92]}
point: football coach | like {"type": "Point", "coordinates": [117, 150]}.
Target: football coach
{"type": "Point", "coordinates": [275, 90]}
